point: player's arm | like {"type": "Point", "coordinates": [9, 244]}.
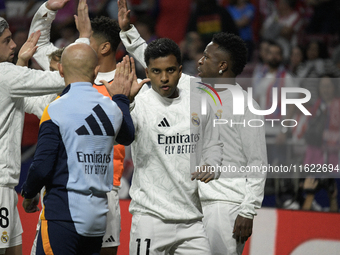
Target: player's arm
{"type": "Point", "coordinates": [42, 21]}
{"type": "Point", "coordinates": [254, 148]}
{"type": "Point", "coordinates": [129, 35]}
{"type": "Point", "coordinates": [119, 90]}
{"type": "Point", "coordinates": [44, 160]}
{"type": "Point", "coordinates": [212, 148]}
{"type": "Point", "coordinates": [36, 105]}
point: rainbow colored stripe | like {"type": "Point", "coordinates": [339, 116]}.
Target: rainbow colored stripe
{"type": "Point", "coordinates": [213, 90]}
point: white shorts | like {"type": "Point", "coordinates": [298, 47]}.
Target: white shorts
{"type": "Point", "coordinates": [10, 224]}
{"type": "Point", "coordinates": [150, 235]}
{"type": "Point", "coordinates": [112, 233]}
{"type": "Point", "coordinates": [219, 219]}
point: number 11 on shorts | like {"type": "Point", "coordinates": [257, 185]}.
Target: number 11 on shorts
{"type": "Point", "coordinates": [148, 241]}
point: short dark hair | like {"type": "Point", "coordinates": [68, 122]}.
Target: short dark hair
{"type": "Point", "coordinates": [235, 47]}
{"type": "Point", "coordinates": [108, 29]}
{"type": "Point", "coordinates": [162, 47]}
{"type": "Point", "coordinates": [3, 25]}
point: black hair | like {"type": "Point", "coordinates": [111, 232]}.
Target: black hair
{"type": "Point", "coordinates": [235, 47]}
{"type": "Point", "coordinates": [108, 29]}
{"type": "Point", "coordinates": [162, 47]}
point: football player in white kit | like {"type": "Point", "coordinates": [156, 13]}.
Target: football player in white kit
{"type": "Point", "coordinates": [166, 210]}
{"type": "Point", "coordinates": [228, 203]}
{"type": "Point", "coordinates": [19, 91]}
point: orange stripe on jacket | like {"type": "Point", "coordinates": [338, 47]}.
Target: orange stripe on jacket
{"type": "Point", "coordinates": [45, 116]}
{"type": "Point", "coordinates": [45, 238]}
{"type": "Point", "coordinates": [118, 150]}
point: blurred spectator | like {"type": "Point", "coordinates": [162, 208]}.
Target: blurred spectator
{"type": "Point", "coordinates": [3, 9]}
{"type": "Point", "coordinates": [317, 64]}
{"type": "Point", "coordinates": [266, 8]}
{"type": "Point", "coordinates": [325, 19]}
{"type": "Point", "coordinates": [261, 67]}
{"type": "Point", "coordinates": [209, 18]}
{"type": "Point", "coordinates": [323, 132]}
{"type": "Point", "coordinates": [145, 25]}
{"type": "Point", "coordinates": [312, 185]}
{"type": "Point", "coordinates": [31, 7]}
{"type": "Point", "coordinates": [192, 50]}
{"type": "Point", "coordinates": [283, 25]}
{"type": "Point", "coordinates": [276, 77]}
{"type": "Point", "coordinates": [68, 34]}
{"type": "Point", "coordinates": [243, 14]}
{"type": "Point", "coordinates": [172, 19]}
{"type": "Point", "coordinates": [296, 59]}
{"type": "Point", "coordinates": [97, 8]}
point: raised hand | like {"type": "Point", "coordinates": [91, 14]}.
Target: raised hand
{"type": "Point", "coordinates": [55, 5]}
{"type": "Point", "coordinates": [82, 21]}
{"type": "Point", "coordinates": [123, 15]}
{"type": "Point", "coordinates": [28, 49]}
{"type": "Point", "coordinates": [123, 79]}
{"type": "Point", "coordinates": [135, 85]}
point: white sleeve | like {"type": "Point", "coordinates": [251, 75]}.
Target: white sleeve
{"type": "Point", "coordinates": [37, 105]}
{"type": "Point", "coordinates": [134, 44]}
{"type": "Point", "coordinates": [254, 148]}
{"type": "Point", "coordinates": [24, 82]}
{"type": "Point", "coordinates": [42, 21]}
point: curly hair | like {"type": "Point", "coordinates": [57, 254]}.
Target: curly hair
{"type": "Point", "coordinates": [108, 29]}
{"type": "Point", "coordinates": [162, 47]}
{"type": "Point", "coordinates": [235, 47]}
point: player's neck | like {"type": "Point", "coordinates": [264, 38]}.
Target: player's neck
{"type": "Point", "coordinates": [107, 63]}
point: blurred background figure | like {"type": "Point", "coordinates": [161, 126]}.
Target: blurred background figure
{"type": "Point", "coordinates": [323, 132]}
{"type": "Point", "coordinates": [145, 25]}
{"type": "Point", "coordinates": [311, 186]}
{"type": "Point", "coordinates": [192, 50]}
{"type": "Point", "coordinates": [261, 67]}
{"type": "Point", "coordinates": [283, 25]}
{"type": "Point", "coordinates": [243, 14]}
{"type": "Point", "coordinates": [317, 64]}
{"type": "Point", "coordinates": [296, 59]}
{"type": "Point", "coordinates": [208, 18]}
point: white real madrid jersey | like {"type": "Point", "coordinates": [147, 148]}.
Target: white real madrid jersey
{"type": "Point", "coordinates": [170, 140]}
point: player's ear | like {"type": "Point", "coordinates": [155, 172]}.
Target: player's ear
{"type": "Point", "coordinates": [147, 72]}
{"type": "Point", "coordinates": [61, 70]}
{"type": "Point", "coordinates": [180, 70]}
{"type": "Point", "coordinates": [223, 66]}
{"type": "Point", "coordinates": [105, 48]}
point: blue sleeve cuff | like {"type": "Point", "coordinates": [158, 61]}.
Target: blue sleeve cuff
{"type": "Point", "coordinates": [126, 134]}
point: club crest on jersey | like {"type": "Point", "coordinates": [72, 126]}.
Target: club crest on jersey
{"type": "Point", "coordinates": [195, 119]}
{"type": "Point", "coordinates": [4, 237]}
{"type": "Point", "coordinates": [218, 114]}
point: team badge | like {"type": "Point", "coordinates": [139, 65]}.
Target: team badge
{"type": "Point", "coordinates": [4, 237]}
{"type": "Point", "coordinates": [195, 119]}
{"type": "Point", "coordinates": [218, 114]}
